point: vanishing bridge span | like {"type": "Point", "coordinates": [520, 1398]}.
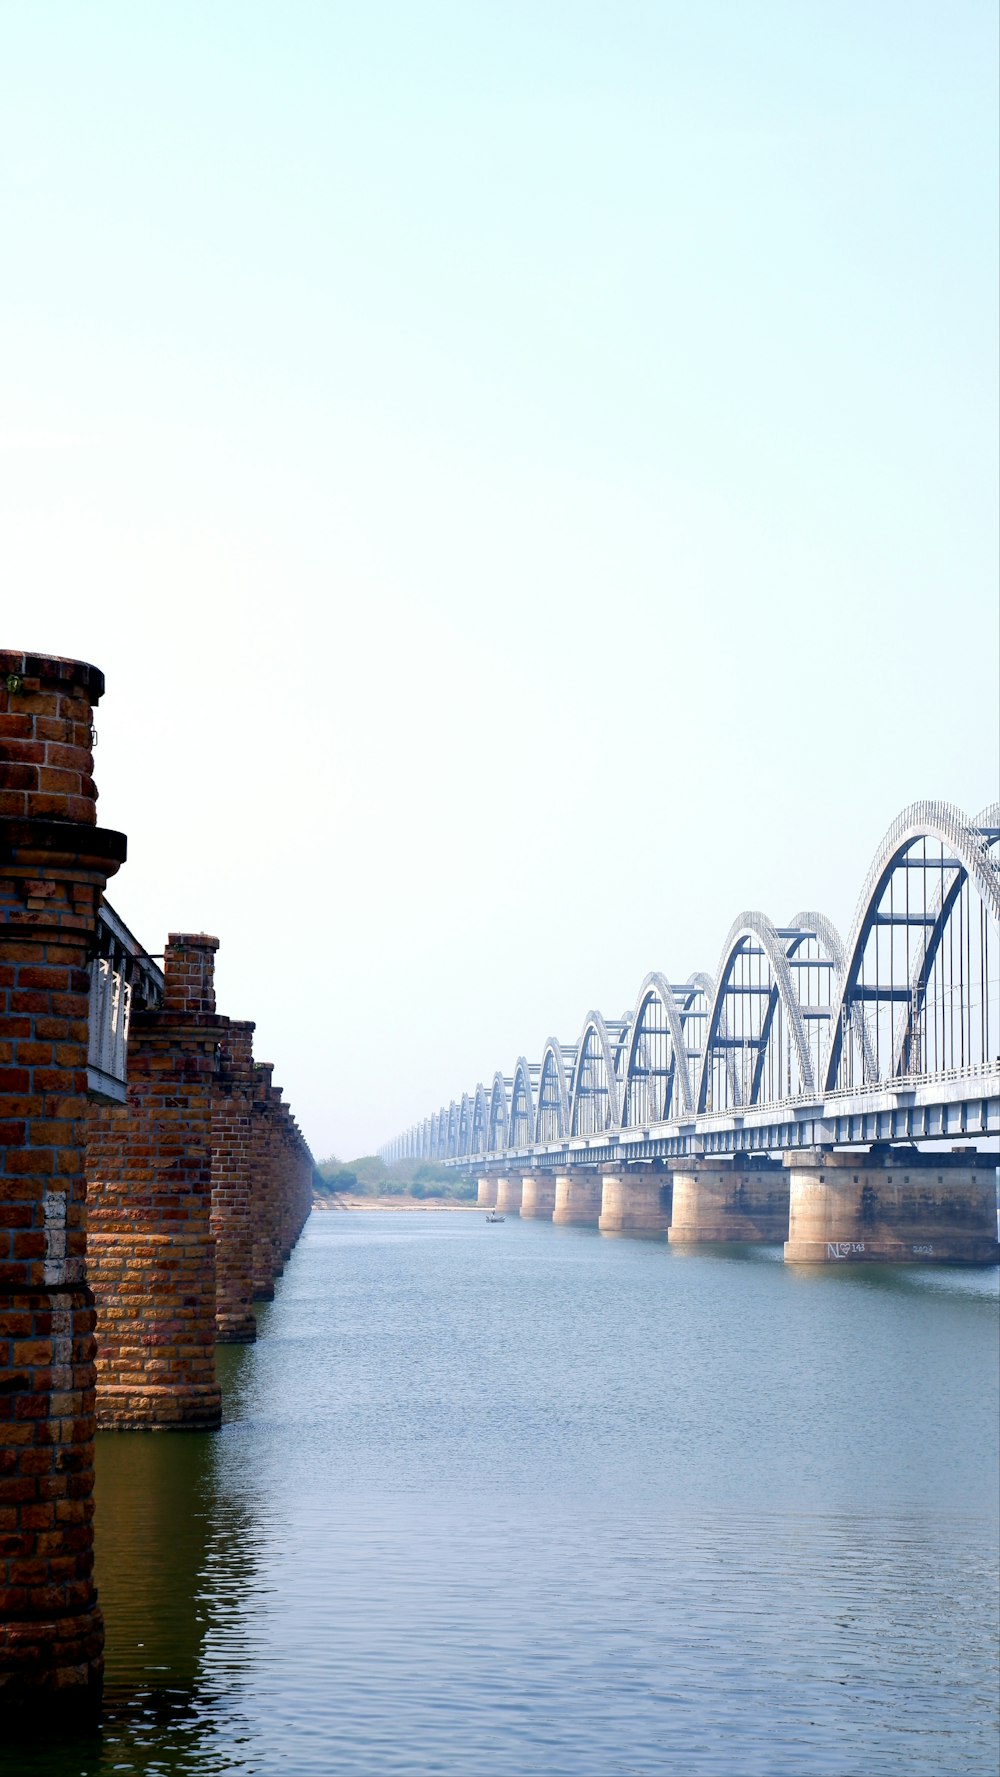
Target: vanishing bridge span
{"type": "Point", "coordinates": [734, 1105]}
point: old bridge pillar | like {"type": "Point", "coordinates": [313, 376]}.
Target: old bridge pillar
{"type": "Point", "coordinates": [578, 1197]}
{"type": "Point", "coordinates": [265, 1183]}
{"type": "Point", "coordinates": [296, 1182]}
{"type": "Point", "coordinates": [486, 1193]}
{"type": "Point", "coordinates": [54, 862]}
{"type": "Point", "coordinates": [278, 1181]}
{"type": "Point", "coordinates": [151, 1251]}
{"type": "Point", "coordinates": [538, 1196]}
{"type": "Point", "coordinates": [735, 1197]}
{"type": "Point", "coordinates": [231, 1218]}
{"type": "Point", "coordinates": [636, 1200]}
{"type": "Point", "coordinates": [893, 1206]}
{"type": "Point", "coordinates": [306, 1181]}
{"type": "Point", "coordinates": [509, 1195]}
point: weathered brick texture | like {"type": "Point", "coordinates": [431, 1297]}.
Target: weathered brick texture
{"type": "Point", "coordinates": [199, 1187]}
{"type": "Point", "coordinates": [151, 1249]}
{"type": "Point", "coordinates": [281, 1182]}
{"type": "Point", "coordinates": [54, 862]}
{"type": "Point", "coordinates": [265, 1184]}
{"type": "Point", "coordinates": [232, 1219]}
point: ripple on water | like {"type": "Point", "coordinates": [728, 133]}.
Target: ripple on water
{"type": "Point", "coordinates": [554, 1506]}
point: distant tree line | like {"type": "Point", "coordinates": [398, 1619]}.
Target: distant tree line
{"type": "Point", "coordinates": [371, 1177]}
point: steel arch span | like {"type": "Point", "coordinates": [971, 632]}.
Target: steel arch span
{"type": "Point", "coordinates": [770, 1014]}
{"type": "Point", "coordinates": [521, 1132]}
{"type": "Point", "coordinates": [658, 1075]}
{"type": "Point", "coordinates": [496, 1135]}
{"type": "Point", "coordinates": [799, 1037]}
{"type": "Point", "coordinates": [921, 960]}
{"type": "Point", "coordinates": [594, 1100]}
{"type": "Point", "coordinates": [480, 1120]}
{"type": "Point", "coordinates": [552, 1120]}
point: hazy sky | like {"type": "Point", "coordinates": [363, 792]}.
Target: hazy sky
{"type": "Point", "coordinates": [527, 471]}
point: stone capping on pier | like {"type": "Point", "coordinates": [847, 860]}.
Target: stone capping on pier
{"type": "Point", "coordinates": [131, 1211]}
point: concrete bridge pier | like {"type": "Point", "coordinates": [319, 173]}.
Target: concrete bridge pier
{"type": "Point", "coordinates": [729, 1198]}
{"type": "Point", "coordinates": [892, 1206]}
{"type": "Point", "coordinates": [509, 1196]}
{"type": "Point", "coordinates": [54, 863]}
{"type": "Point", "coordinates": [637, 1200]}
{"type": "Point", "coordinates": [538, 1196]}
{"type": "Point", "coordinates": [486, 1193]}
{"type": "Point", "coordinates": [578, 1197]}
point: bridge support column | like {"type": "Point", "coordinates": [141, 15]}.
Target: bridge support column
{"type": "Point", "coordinates": [637, 1201]}
{"type": "Point", "coordinates": [728, 1199]}
{"type": "Point", "coordinates": [152, 1255]}
{"type": "Point", "coordinates": [486, 1193]}
{"type": "Point", "coordinates": [301, 1170]}
{"type": "Point", "coordinates": [893, 1207]}
{"type": "Point", "coordinates": [232, 1202]}
{"type": "Point", "coordinates": [538, 1196]}
{"type": "Point", "coordinates": [265, 1185]}
{"type": "Point", "coordinates": [54, 863]}
{"type": "Point", "coordinates": [509, 1196]}
{"type": "Point", "coordinates": [578, 1197]}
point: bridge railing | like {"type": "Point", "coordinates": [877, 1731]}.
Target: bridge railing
{"type": "Point", "coordinates": [122, 977]}
{"type": "Point", "coordinates": [775, 1111]}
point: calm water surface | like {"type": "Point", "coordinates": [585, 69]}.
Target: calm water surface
{"type": "Point", "coordinates": [521, 1501]}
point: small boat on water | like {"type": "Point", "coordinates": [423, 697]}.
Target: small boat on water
{"type": "Point", "coordinates": [492, 1216]}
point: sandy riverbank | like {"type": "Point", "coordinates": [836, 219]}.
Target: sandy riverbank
{"type": "Point", "coordinates": [340, 1202]}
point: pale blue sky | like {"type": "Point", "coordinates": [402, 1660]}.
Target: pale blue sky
{"type": "Point", "coordinates": [527, 472]}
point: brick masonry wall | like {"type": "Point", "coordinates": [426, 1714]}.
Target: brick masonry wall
{"type": "Point", "coordinates": [199, 1187]}
{"type": "Point", "coordinates": [232, 1219]}
{"type": "Point", "coordinates": [151, 1249]}
{"type": "Point", "coordinates": [264, 1184]}
{"type": "Point", "coordinates": [54, 862]}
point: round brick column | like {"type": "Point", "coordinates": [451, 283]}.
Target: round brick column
{"type": "Point", "coordinates": [54, 863]}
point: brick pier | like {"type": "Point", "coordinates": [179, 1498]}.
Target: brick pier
{"type": "Point", "coordinates": [152, 1223]}
{"type": "Point", "coordinates": [151, 1251]}
{"type": "Point", "coordinates": [54, 862]}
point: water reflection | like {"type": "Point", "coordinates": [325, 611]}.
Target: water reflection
{"type": "Point", "coordinates": [175, 1558]}
{"type": "Point", "coordinates": [155, 1497]}
{"type": "Point", "coordinates": [701, 1515]}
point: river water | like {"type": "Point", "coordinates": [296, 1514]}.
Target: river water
{"type": "Point", "coordinates": [523, 1501]}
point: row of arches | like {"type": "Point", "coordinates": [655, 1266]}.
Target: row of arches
{"type": "Point", "coordinates": [792, 1010]}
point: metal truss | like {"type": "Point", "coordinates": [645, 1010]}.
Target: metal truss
{"type": "Point", "coordinates": [798, 1038]}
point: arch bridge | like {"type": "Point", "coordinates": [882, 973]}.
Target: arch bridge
{"type": "Point", "coordinates": [801, 1041]}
